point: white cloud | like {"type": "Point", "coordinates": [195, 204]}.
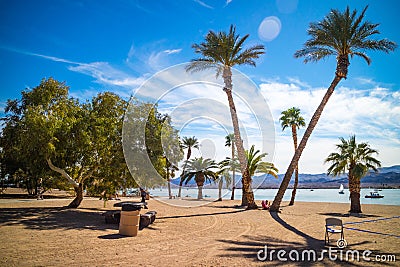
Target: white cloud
{"type": "Point", "coordinates": [372, 115]}
{"type": "Point", "coordinates": [150, 58]}
{"type": "Point", "coordinates": [172, 51]}
{"type": "Point", "coordinates": [203, 4]}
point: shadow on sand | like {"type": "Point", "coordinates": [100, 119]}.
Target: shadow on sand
{"type": "Point", "coordinates": [200, 214]}
{"type": "Point", "coordinates": [265, 249]}
{"type": "Point", "coordinates": [54, 218]}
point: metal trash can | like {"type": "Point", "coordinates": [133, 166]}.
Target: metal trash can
{"type": "Point", "coordinates": [130, 218]}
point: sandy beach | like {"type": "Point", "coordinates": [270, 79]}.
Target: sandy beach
{"type": "Point", "coordinates": [43, 233]}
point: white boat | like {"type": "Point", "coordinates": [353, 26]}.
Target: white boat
{"type": "Point", "coordinates": [341, 189]}
{"type": "Point", "coordinates": [374, 195]}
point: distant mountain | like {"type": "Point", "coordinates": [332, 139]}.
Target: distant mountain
{"type": "Point", "coordinates": [387, 177]}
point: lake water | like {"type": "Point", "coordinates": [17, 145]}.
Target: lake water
{"type": "Point", "coordinates": [391, 196]}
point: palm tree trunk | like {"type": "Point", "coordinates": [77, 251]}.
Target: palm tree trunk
{"type": "Point", "coordinates": [296, 174]}
{"type": "Point", "coordinates": [248, 195]}
{"type": "Point", "coordinates": [220, 184]}
{"type": "Point", "coordinates": [314, 120]}
{"type": "Point", "coordinates": [200, 192]}
{"type": "Point", "coordinates": [200, 182]}
{"type": "Point", "coordinates": [354, 188]}
{"type": "Point", "coordinates": [189, 153]}
{"type": "Point", "coordinates": [169, 185]}
{"type": "Point", "coordinates": [233, 173]}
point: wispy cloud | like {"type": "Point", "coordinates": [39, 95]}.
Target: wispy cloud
{"type": "Point", "coordinates": [172, 51]}
{"type": "Point", "coordinates": [150, 57]}
{"type": "Point", "coordinates": [203, 4]}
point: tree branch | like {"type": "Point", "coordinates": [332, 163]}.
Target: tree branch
{"type": "Point", "coordinates": [63, 173]}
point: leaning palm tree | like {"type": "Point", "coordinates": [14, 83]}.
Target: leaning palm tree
{"type": "Point", "coordinates": [357, 160]}
{"type": "Point", "coordinates": [222, 51]}
{"type": "Point", "coordinates": [291, 118]}
{"type": "Point", "coordinates": [229, 141]}
{"type": "Point", "coordinates": [201, 170]}
{"type": "Point", "coordinates": [341, 35]}
{"type": "Point", "coordinates": [189, 143]}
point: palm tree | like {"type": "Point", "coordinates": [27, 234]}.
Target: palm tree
{"type": "Point", "coordinates": [189, 143]}
{"type": "Point", "coordinates": [254, 163]}
{"type": "Point", "coordinates": [229, 141]}
{"type": "Point", "coordinates": [357, 160]}
{"type": "Point", "coordinates": [222, 51]}
{"type": "Point", "coordinates": [291, 118]}
{"type": "Point", "coordinates": [341, 35]}
{"type": "Point", "coordinates": [201, 170]}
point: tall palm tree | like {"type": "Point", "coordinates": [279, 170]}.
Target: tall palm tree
{"type": "Point", "coordinates": [341, 35]}
{"type": "Point", "coordinates": [201, 170]}
{"type": "Point", "coordinates": [187, 143]}
{"type": "Point", "coordinates": [229, 141]}
{"type": "Point", "coordinates": [291, 118]}
{"type": "Point", "coordinates": [222, 51]}
{"type": "Point", "coordinates": [357, 159]}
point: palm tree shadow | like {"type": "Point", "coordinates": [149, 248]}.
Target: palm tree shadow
{"type": "Point", "coordinates": [200, 214]}
{"type": "Point", "coordinates": [311, 241]}
{"type": "Point", "coordinates": [348, 214]}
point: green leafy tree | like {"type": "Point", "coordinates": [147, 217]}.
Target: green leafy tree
{"type": "Point", "coordinates": [27, 130]}
{"type": "Point", "coordinates": [187, 143]}
{"type": "Point", "coordinates": [343, 35]}
{"type": "Point", "coordinates": [54, 134]}
{"type": "Point", "coordinates": [201, 170]}
{"type": "Point", "coordinates": [222, 51]}
{"type": "Point", "coordinates": [292, 118]}
{"type": "Point", "coordinates": [357, 160]}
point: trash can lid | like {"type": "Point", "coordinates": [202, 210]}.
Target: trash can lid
{"type": "Point", "coordinates": [131, 206]}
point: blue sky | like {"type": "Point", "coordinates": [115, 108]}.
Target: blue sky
{"type": "Point", "coordinates": [117, 45]}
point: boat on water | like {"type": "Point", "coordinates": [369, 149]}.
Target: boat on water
{"type": "Point", "coordinates": [374, 195]}
{"type": "Point", "coordinates": [341, 189]}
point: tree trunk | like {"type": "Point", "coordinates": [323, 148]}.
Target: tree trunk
{"type": "Point", "coordinates": [200, 192]}
{"type": "Point", "coordinates": [189, 153]}
{"type": "Point", "coordinates": [296, 174]}
{"type": "Point", "coordinates": [169, 189]}
{"type": "Point", "coordinates": [248, 196]}
{"type": "Point", "coordinates": [78, 198]}
{"type": "Point", "coordinates": [180, 187]}
{"type": "Point", "coordinates": [233, 173]}
{"type": "Point", "coordinates": [78, 187]}
{"type": "Point", "coordinates": [314, 120]}
{"type": "Point", "coordinates": [296, 182]}
{"type": "Point", "coordinates": [354, 188]}
{"type": "Point", "coordinates": [220, 184]}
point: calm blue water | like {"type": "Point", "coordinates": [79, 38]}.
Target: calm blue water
{"type": "Point", "coordinates": [392, 196]}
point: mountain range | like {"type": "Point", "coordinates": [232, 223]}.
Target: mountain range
{"type": "Point", "coordinates": [386, 177]}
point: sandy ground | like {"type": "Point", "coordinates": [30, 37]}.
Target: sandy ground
{"type": "Point", "coordinates": [43, 233]}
